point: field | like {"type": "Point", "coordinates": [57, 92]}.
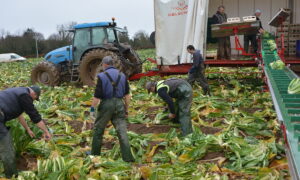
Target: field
{"type": "Point", "coordinates": [236, 134]}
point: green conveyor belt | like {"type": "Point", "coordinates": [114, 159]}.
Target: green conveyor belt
{"type": "Point", "coordinates": [287, 106]}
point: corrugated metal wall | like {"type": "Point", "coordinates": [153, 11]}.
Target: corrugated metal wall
{"type": "Point", "coordinates": [297, 11]}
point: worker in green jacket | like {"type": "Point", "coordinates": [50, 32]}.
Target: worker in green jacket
{"type": "Point", "coordinates": [180, 90]}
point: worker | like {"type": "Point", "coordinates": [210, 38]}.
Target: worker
{"type": "Point", "coordinates": [182, 91]}
{"type": "Point", "coordinates": [13, 102]}
{"type": "Point", "coordinates": [112, 91]}
{"type": "Point", "coordinates": [252, 38]}
{"type": "Point", "coordinates": [224, 47]}
{"type": "Point", "coordinates": [196, 73]}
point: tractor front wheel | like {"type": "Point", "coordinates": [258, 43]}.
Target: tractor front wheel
{"type": "Point", "coordinates": [45, 73]}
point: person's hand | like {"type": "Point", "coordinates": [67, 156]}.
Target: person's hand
{"type": "Point", "coordinates": [261, 31]}
{"type": "Point", "coordinates": [31, 134]}
{"type": "Point", "coordinates": [47, 136]}
{"type": "Point", "coordinates": [171, 116]}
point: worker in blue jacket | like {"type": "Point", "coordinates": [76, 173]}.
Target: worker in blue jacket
{"type": "Point", "coordinates": [181, 90]}
{"type": "Point", "coordinates": [113, 94]}
{"type": "Point", "coordinates": [196, 73]}
{"type": "Point", "coordinates": [13, 102]}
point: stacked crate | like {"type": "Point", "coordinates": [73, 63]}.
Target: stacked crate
{"type": "Point", "coordinates": [294, 35]}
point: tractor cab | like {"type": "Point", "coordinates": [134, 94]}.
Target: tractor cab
{"type": "Point", "coordinates": [89, 35]}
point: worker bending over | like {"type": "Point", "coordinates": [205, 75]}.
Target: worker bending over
{"type": "Point", "coordinates": [13, 102]}
{"type": "Point", "coordinates": [180, 90]}
{"type": "Point", "coordinates": [111, 92]}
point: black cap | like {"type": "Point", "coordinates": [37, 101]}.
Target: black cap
{"type": "Point", "coordinates": [37, 91]}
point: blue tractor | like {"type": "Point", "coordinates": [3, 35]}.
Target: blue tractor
{"type": "Point", "coordinates": [81, 61]}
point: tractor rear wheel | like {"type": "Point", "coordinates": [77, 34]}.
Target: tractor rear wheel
{"type": "Point", "coordinates": [90, 65]}
{"type": "Point", "coordinates": [45, 73]}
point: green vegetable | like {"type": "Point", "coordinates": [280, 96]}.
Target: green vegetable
{"type": "Point", "coordinates": [266, 35]}
{"type": "Point", "coordinates": [277, 65]}
{"type": "Point", "coordinates": [294, 87]}
{"type": "Point", "coordinates": [272, 45]}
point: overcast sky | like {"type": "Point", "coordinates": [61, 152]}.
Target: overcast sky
{"type": "Point", "coordinates": [45, 15]}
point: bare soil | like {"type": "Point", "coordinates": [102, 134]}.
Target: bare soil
{"type": "Point", "coordinates": [147, 129]}
{"type": "Point", "coordinates": [251, 110]}
{"type": "Point", "coordinates": [213, 155]}
{"type": "Point", "coordinates": [209, 130]}
{"type": "Point", "coordinates": [26, 162]}
{"type": "Point", "coordinates": [77, 126]}
{"type": "Point", "coordinates": [154, 143]}
{"type": "Point", "coordinates": [152, 111]}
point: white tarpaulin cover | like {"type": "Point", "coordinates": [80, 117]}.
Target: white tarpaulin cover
{"type": "Point", "coordinates": [179, 23]}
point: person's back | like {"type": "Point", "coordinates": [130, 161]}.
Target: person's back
{"type": "Point", "coordinates": [171, 83]}
{"type": "Point", "coordinates": [107, 87]}
{"type": "Point", "coordinates": [11, 98]}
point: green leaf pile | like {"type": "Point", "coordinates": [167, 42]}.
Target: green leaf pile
{"type": "Point", "coordinates": [236, 133]}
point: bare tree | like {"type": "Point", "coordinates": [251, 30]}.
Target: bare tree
{"type": "Point", "coordinates": [141, 40]}
{"type": "Point", "coordinates": [63, 32]}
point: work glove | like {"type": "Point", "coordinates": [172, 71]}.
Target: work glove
{"type": "Point", "coordinates": [92, 113]}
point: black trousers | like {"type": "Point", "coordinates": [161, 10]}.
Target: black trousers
{"type": "Point", "coordinates": [252, 39]}
{"type": "Point", "coordinates": [3, 128]}
{"type": "Point", "coordinates": [7, 151]}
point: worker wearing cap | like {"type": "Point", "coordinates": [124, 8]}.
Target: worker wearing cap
{"type": "Point", "coordinates": [112, 92]}
{"type": "Point", "coordinates": [252, 38]}
{"type": "Point", "coordinates": [13, 102]}
{"type": "Point", "coordinates": [224, 47]}
{"type": "Point", "coordinates": [180, 90]}
{"type": "Point", "coordinates": [196, 73]}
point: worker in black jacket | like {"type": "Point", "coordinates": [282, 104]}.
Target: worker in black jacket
{"type": "Point", "coordinates": [182, 91]}
{"type": "Point", "coordinates": [224, 47]}
{"type": "Point", "coordinates": [13, 102]}
{"type": "Point", "coordinates": [113, 94]}
{"type": "Point", "coordinates": [252, 38]}
{"type": "Point", "coordinates": [196, 73]}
